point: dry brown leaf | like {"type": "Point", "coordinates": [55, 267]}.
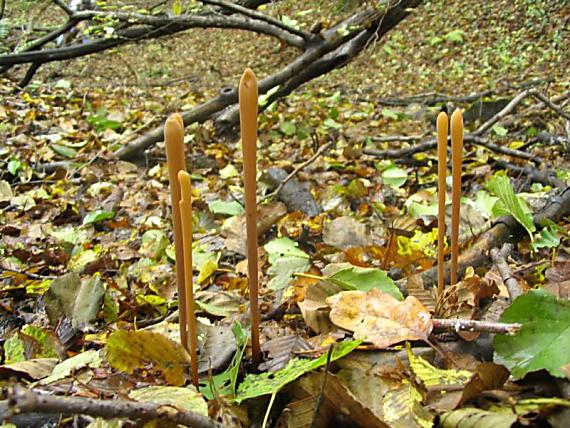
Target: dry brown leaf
{"type": "Point", "coordinates": [379, 318]}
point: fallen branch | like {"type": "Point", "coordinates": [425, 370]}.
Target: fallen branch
{"type": "Point", "coordinates": [324, 54]}
{"type": "Point", "coordinates": [500, 259]}
{"type": "Point", "coordinates": [458, 325]}
{"type": "Point", "coordinates": [431, 143]}
{"type": "Point", "coordinates": [496, 236]}
{"type": "Point", "coordinates": [546, 177]}
{"type": "Point", "coordinates": [23, 400]}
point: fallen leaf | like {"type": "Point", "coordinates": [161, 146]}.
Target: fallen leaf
{"type": "Point", "coordinates": [345, 232]}
{"type": "Point", "coordinates": [182, 399]}
{"type": "Point", "coordinates": [130, 350]}
{"type": "Point", "coordinates": [379, 318]}
{"type": "Point", "coordinates": [544, 339]}
{"type": "Point", "coordinates": [91, 358]}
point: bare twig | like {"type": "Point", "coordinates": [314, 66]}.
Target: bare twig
{"type": "Point", "coordinates": [22, 400]}
{"type": "Point", "coordinates": [29, 274]}
{"type": "Point", "coordinates": [505, 111]}
{"type": "Point", "coordinates": [475, 325]}
{"type": "Point", "coordinates": [550, 104]}
{"type": "Point", "coordinates": [64, 6]}
{"type": "Point", "coordinates": [431, 143]}
{"type": "Point", "coordinates": [500, 259]}
{"type": "Point", "coordinates": [547, 176]}
{"type": "Point", "coordinates": [391, 138]}
{"type": "Point", "coordinates": [257, 15]}
{"type": "Point", "coordinates": [319, 152]}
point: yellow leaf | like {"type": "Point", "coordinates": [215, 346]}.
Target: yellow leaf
{"type": "Point", "coordinates": [183, 399]}
{"type": "Point", "coordinates": [131, 350]}
{"type": "Point", "coordinates": [432, 376]}
{"type": "Point", "coordinates": [207, 269]}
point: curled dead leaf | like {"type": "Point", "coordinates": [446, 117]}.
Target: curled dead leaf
{"type": "Point", "coordinates": [379, 318]}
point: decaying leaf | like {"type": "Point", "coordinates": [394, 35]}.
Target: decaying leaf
{"type": "Point", "coordinates": [403, 408]}
{"type": "Point", "coordinates": [345, 232]}
{"type": "Point", "coordinates": [76, 299]}
{"type": "Point", "coordinates": [468, 415]}
{"type": "Point", "coordinates": [91, 358]}
{"type": "Point", "coordinates": [131, 350]}
{"type": "Point", "coordinates": [35, 369]}
{"type": "Point", "coordinates": [182, 399]}
{"type": "Point", "coordinates": [379, 318]}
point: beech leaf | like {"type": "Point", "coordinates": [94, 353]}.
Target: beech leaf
{"type": "Point", "coordinates": [131, 350]}
{"type": "Point", "coordinates": [544, 339]}
{"type": "Point", "coordinates": [379, 318]}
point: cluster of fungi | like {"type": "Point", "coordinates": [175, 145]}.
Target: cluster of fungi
{"type": "Point", "coordinates": [180, 188]}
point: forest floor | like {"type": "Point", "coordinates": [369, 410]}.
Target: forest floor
{"type": "Point", "coordinates": [86, 252]}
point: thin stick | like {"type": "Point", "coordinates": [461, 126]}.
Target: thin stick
{"type": "Point", "coordinates": [21, 400]}
{"type": "Point", "coordinates": [186, 219]}
{"type": "Point", "coordinates": [476, 325]}
{"type": "Point", "coordinates": [442, 131]}
{"type": "Point", "coordinates": [457, 162]}
{"type": "Point", "coordinates": [319, 152]}
{"type": "Point", "coordinates": [248, 128]}
{"type": "Point", "coordinates": [174, 141]}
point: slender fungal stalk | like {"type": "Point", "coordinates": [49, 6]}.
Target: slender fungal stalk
{"type": "Point", "coordinates": [186, 219]}
{"type": "Point", "coordinates": [174, 141]}
{"type": "Point", "coordinates": [442, 131]}
{"type": "Point", "coordinates": [248, 128]}
{"type": "Point", "coordinates": [457, 162]}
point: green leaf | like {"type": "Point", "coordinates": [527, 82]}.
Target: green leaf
{"type": "Point", "coordinates": [264, 98]}
{"type": "Point", "coordinates": [229, 171]}
{"type": "Point", "coordinates": [100, 122]}
{"type": "Point", "coordinates": [484, 203]}
{"type": "Point", "coordinates": [290, 22]}
{"type": "Point", "coordinates": [499, 130]}
{"type": "Point", "coordinates": [288, 128]}
{"type": "Point", "coordinates": [66, 152]}
{"type": "Point", "coordinates": [226, 208]}
{"type": "Point", "coordinates": [501, 186]}
{"type": "Point", "coordinates": [256, 385]}
{"type": "Point", "coordinates": [364, 279]}
{"type": "Point", "coordinates": [331, 123]}
{"type": "Point", "coordinates": [91, 358]}
{"type": "Point", "coordinates": [154, 243]}
{"type": "Point", "coordinates": [14, 350]}
{"type": "Point", "coordinates": [14, 165]}
{"type": "Point", "coordinates": [389, 114]}
{"type": "Point", "coordinates": [283, 247]}
{"type": "Point", "coordinates": [285, 259]}
{"type": "Point", "coordinates": [394, 176]}
{"type": "Point", "coordinates": [549, 238]}
{"type": "Point", "coordinates": [44, 340]}
{"type": "Point", "coordinates": [544, 339]}
{"type": "Point", "coordinates": [434, 41]}
{"type": "Point", "coordinates": [283, 269]}
{"type": "Point", "coordinates": [455, 36]}
{"type": "Point", "coordinates": [97, 216]}
{"type": "Point", "coordinates": [417, 210]}
{"type": "Point", "coordinates": [225, 383]}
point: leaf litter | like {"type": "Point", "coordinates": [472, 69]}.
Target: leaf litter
{"type": "Point", "coordinates": [101, 227]}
